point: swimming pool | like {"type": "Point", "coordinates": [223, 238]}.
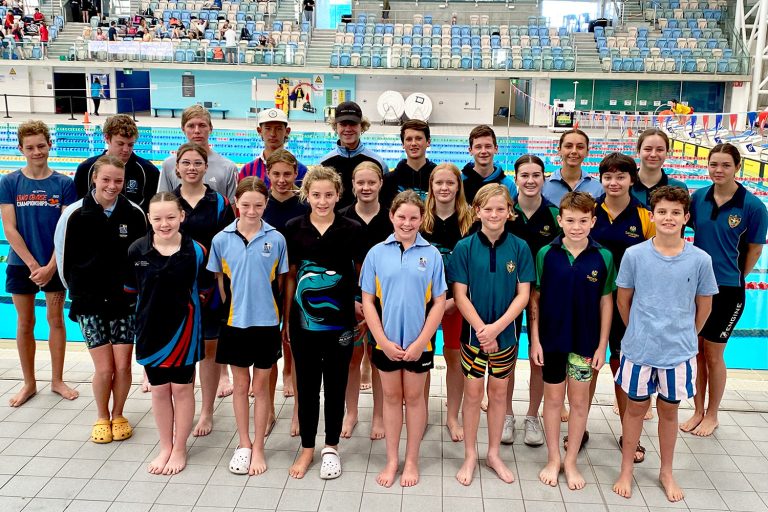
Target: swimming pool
{"type": "Point", "coordinates": [748, 347]}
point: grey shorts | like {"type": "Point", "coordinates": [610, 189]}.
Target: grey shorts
{"type": "Point", "coordinates": [98, 330]}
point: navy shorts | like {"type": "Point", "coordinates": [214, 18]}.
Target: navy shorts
{"type": "Point", "coordinates": [17, 281]}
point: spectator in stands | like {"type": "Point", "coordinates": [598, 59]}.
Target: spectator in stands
{"type": "Point", "coordinates": [142, 28]}
{"type": "Point", "coordinates": [112, 32]}
{"type": "Point", "coordinates": [385, 10]}
{"type": "Point", "coordinates": [178, 31]}
{"type": "Point", "coordinates": [16, 32]}
{"type": "Point", "coordinates": [198, 26]}
{"type": "Point", "coordinates": [44, 38]}
{"type": "Point", "coordinates": [38, 16]}
{"type": "Point", "coordinates": [87, 32]}
{"type": "Point", "coordinates": [100, 35]}
{"type": "Point", "coordinates": [309, 9]}
{"type": "Point", "coordinates": [222, 29]}
{"type": "Point", "coordinates": [230, 37]}
{"type": "Point", "coordinates": [8, 20]}
{"type": "Point", "coordinates": [85, 10]}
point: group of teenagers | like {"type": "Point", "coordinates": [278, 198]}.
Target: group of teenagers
{"type": "Point", "coordinates": [346, 261]}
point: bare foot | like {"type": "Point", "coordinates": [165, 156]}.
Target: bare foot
{"type": "Point", "coordinates": [501, 469]}
{"type": "Point", "coordinates": [706, 427]}
{"type": "Point", "coordinates": [364, 386]}
{"type": "Point", "coordinates": [377, 428]}
{"type": "Point", "coordinates": [692, 422]}
{"type": "Point", "coordinates": [287, 385]}
{"type": "Point", "coordinates": [176, 462]}
{"type": "Point", "coordinates": [456, 430]}
{"type": "Point", "coordinates": [270, 424]}
{"type": "Point", "coordinates": [574, 478]}
{"type": "Point", "coordinates": [299, 468]}
{"type": "Point", "coordinates": [294, 426]}
{"type": "Point", "coordinates": [387, 476]}
{"type": "Point", "coordinates": [259, 462]}
{"type": "Point", "coordinates": [549, 474]}
{"type": "Point", "coordinates": [564, 414]}
{"type": "Point", "coordinates": [616, 408]}
{"type": "Point", "coordinates": [350, 422]}
{"type": "Point", "coordinates": [484, 404]}
{"type": "Point", "coordinates": [623, 486]}
{"type": "Point", "coordinates": [157, 465]}
{"type": "Point", "coordinates": [225, 387]}
{"type": "Point", "coordinates": [673, 491]}
{"type": "Point", "coordinates": [203, 427]}
{"type": "Point", "coordinates": [146, 387]}
{"type": "Point", "coordinates": [410, 475]}
{"type": "Point", "coordinates": [65, 391]}
{"type": "Point", "coordinates": [467, 471]}
{"type": "Point", "coordinates": [26, 392]}
{"type": "Point", "coordinates": [649, 413]}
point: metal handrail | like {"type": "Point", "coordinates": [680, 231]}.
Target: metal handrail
{"type": "Point", "coordinates": [59, 96]}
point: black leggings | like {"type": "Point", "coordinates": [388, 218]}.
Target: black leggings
{"type": "Point", "coordinates": [96, 103]}
{"type": "Point", "coordinates": [319, 357]}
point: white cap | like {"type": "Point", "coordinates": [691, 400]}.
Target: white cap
{"type": "Point", "coordinates": [273, 115]}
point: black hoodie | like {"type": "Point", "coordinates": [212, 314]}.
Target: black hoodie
{"type": "Point", "coordinates": [405, 177]}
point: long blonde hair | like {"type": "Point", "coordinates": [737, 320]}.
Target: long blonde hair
{"type": "Point", "coordinates": [466, 216]}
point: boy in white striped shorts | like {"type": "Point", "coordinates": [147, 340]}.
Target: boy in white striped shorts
{"type": "Point", "coordinates": [665, 289]}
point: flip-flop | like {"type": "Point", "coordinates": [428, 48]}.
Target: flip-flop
{"type": "Point", "coordinates": [331, 464]}
{"type": "Point", "coordinates": [584, 441]}
{"type": "Point", "coordinates": [639, 448]}
{"type": "Point", "coordinates": [241, 461]}
{"type": "Point", "coordinates": [121, 429]}
{"type": "Point", "coordinates": [102, 432]}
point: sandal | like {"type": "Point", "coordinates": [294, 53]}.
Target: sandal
{"type": "Point", "coordinates": [241, 461]}
{"type": "Point", "coordinates": [102, 431]}
{"type": "Point", "coordinates": [331, 465]}
{"type": "Point", "coordinates": [584, 441]}
{"type": "Point", "coordinates": [640, 449]}
{"type": "Point", "coordinates": [121, 429]}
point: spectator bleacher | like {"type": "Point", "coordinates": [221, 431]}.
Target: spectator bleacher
{"type": "Point", "coordinates": [30, 46]}
{"type": "Point", "coordinates": [477, 45]}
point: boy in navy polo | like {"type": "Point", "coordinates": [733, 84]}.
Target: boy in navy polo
{"type": "Point", "coordinates": [663, 315]}
{"type": "Point", "coordinates": [730, 225]}
{"type": "Point", "coordinates": [491, 271]}
{"type": "Point", "coordinates": [572, 310]}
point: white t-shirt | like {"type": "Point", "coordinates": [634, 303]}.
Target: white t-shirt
{"type": "Point", "coordinates": [231, 38]}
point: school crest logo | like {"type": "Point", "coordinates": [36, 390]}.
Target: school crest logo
{"type": "Point", "coordinates": [511, 266]}
{"type": "Point", "coordinates": [267, 249]}
{"type": "Point", "coordinates": [422, 264]}
{"type": "Point", "coordinates": [592, 277]}
{"type": "Point", "coordinates": [734, 220]}
{"type": "Point", "coordinates": [123, 230]}
{"type": "Point", "coordinates": [545, 231]}
{"type": "Point", "coordinates": [132, 186]}
{"type": "Point", "coordinates": [632, 232]}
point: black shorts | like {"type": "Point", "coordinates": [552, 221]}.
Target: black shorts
{"type": "Point", "coordinates": [727, 308]}
{"type": "Point", "coordinates": [616, 333]}
{"type": "Point", "coordinates": [260, 347]}
{"type": "Point", "coordinates": [558, 366]}
{"type": "Point", "coordinates": [384, 364]}
{"type": "Point", "coordinates": [158, 376]}
{"type": "Point", "coordinates": [17, 281]}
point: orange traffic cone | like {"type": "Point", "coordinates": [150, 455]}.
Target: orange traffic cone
{"type": "Point", "coordinates": [86, 119]}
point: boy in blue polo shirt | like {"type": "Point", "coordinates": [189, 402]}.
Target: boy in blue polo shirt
{"type": "Point", "coordinates": [491, 271]}
{"type": "Point", "coordinates": [663, 315]}
{"type": "Point", "coordinates": [253, 255]}
{"type": "Point", "coordinates": [571, 319]}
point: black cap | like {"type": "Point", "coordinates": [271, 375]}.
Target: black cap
{"type": "Point", "coordinates": [349, 111]}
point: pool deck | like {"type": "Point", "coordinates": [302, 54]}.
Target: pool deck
{"type": "Point", "coordinates": [47, 462]}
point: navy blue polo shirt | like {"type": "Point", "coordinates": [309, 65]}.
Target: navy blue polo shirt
{"type": "Point", "coordinates": [630, 227]}
{"type": "Point", "coordinates": [725, 232]}
{"type": "Point", "coordinates": [643, 193]}
{"type": "Point", "coordinates": [491, 273]}
{"type": "Point", "coordinates": [571, 289]}
{"type": "Point", "coordinates": [326, 273]}
{"type": "Point", "coordinates": [538, 230]}
{"type": "Point", "coordinates": [168, 329]}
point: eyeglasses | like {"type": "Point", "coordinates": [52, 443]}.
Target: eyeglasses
{"type": "Point", "coordinates": [198, 164]}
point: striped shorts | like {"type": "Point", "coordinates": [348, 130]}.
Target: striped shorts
{"type": "Point", "coordinates": [671, 384]}
{"type": "Point", "coordinates": [500, 365]}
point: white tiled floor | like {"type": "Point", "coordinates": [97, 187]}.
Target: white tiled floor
{"type": "Point", "coordinates": [48, 464]}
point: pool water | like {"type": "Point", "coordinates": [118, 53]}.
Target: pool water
{"type": "Point", "coordinates": [748, 347]}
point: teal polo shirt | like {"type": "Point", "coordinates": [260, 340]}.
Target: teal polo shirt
{"type": "Point", "coordinates": [491, 273]}
{"type": "Point", "coordinates": [571, 289]}
{"type": "Point", "coordinates": [725, 232]}
{"type": "Point", "coordinates": [252, 267]}
{"type": "Point", "coordinates": [643, 193]}
{"type": "Point", "coordinates": [404, 281]}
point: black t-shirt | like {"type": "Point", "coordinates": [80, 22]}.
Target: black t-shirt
{"type": "Point", "coordinates": [309, 5]}
{"type": "Point", "coordinates": [326, 277]}
{"type": "Point", "coordinates": [445, 235]}
{"type": "Point", "coordinates": [278, 213]}
{"type": "Point", "coordinates": [168, 332]}
{"type": "Point", "coordinates": [375, 231]}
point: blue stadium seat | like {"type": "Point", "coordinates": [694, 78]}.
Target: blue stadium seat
{"type": "Point", "coordinates": [418, 30]}
{"type": "Point", "coordinates": [570, 63]}
{"type": "Point", "coordinates": [466, 63]}
{"type": "Point", "coordinates": [345, 60]}
{"type": "Point", "coordinates": [722, 66]}
{"type": "Point", "coordinates": [465, 32]}
{"type": "Point", "coordinates": [179, 55]}
{"type": "Point", "coordinates": [428, 19]}
{"type": "Point", "coordinates": [627, 64]}
{"type": "Point", "coordinates": [527, 62]}
{"type": "Point", "coordinates": [334, 59]}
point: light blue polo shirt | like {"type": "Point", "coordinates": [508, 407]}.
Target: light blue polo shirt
{"type": "Point", "coordinates": [251, 268]}
{"type": "Point", "coordinates": [555, 187]}
{"type": "Point", "coordinates": [404, 281]}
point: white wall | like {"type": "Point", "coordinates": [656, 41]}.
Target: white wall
{"type": "Point", "coordinates": [455, 100]}
{"type": "Point", "coordinates": [540, 115]}
{"type": "Point", "coordinates": [40, 79]}
{"type": "Point", "coordinates": [14, 80]}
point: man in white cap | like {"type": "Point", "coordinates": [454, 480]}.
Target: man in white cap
{"type": "Point", "coordinates": [274, 130]}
